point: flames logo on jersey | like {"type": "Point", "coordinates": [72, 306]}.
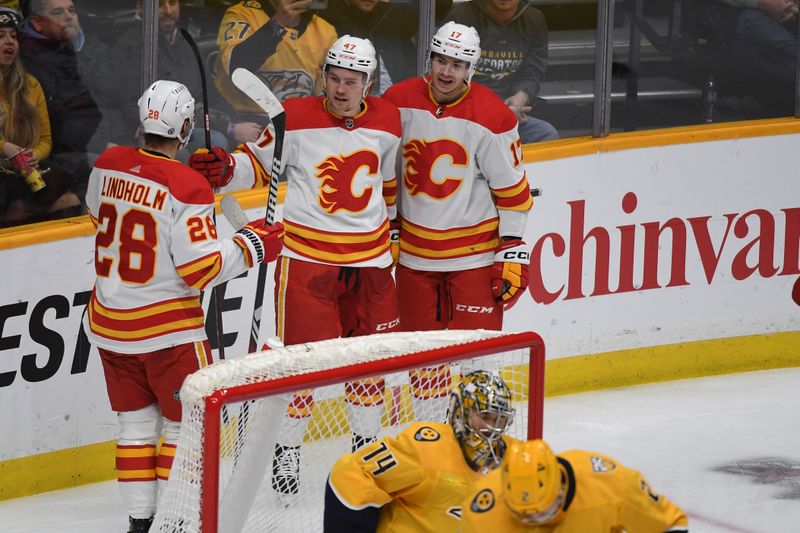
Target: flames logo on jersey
{"type": "Point", "coordinates": [337, 174]}
{"type": "Point", "coordinates": [421, 157]}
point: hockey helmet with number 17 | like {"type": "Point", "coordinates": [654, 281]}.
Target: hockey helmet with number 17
{"type": "Point", "coordinates": [164, 109]}
{"type": "Point", "coordinates": [353, 53]}
{"type": "Point", "coordinates": [480, 414]}
{"type": "Point", "coordinates": [458, 42]}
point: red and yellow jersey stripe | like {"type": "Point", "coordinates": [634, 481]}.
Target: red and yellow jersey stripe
{"type": "Point", "coordinates": [336, 248]}
{"type": "Point", "coordinates": [147, 322]}
{"type": "Point", "coordinates": [450, 243]}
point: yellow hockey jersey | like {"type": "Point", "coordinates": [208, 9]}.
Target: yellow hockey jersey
{"type": "Point", "coordinates": [294, 68]}
{"type": "Point", "coordinates": [463, 182]}
{"type": "Point", "coordinates": [156, 249]}
{"type": "Point", "coordinates": [419, 479]}
{"type": "Point", "coordinates": [341, 189]}
{"type": "Point", "coordinates": [603, 496]}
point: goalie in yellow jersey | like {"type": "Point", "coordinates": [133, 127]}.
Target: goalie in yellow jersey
{"type": "Point", "coordinates": [573, 492]}
{"type": "Point", "coordinates": [415, 482]}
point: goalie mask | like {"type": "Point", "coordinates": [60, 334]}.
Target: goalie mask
{"type": "Point", "coordinates": [164, 108]}
{"type": "Point", "coordinates": [459, 42]}
{"type": "Point", "coordinates": [480, 414]}
{"type": "Point", "coordinates": [534, 485]}
{"type": "Point", "coordinates": [353, 53]}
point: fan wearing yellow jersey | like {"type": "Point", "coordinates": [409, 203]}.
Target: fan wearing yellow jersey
{"type": "Point", "coordinates": [573, 492]}
{"type": "Point", "coordinates": [416, 481]}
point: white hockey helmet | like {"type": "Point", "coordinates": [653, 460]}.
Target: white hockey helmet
{"type": "Point", "coordinates": [459, 42]}
{"type": "Point", "coordinates": [353, 53]}
{"type": "Point", "coordinates": [163, 109]}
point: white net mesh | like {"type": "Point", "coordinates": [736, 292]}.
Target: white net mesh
{"type": "Point", "coordinates": [261, 491]}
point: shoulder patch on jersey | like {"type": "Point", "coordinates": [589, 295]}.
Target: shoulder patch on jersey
{"type": "Point", "coordinates": [602, 465]}
{"type": "Point", "coordinates": [426, 434]}
{"type": "Point", "coordinates": [482, 502]}
{"type": "Point", "coordinates": [252, 4]}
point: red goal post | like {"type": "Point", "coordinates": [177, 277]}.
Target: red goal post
{"type": "Point", "coordinates": [223, 419]}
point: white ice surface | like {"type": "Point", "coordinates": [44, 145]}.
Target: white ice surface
{"type": "Point", "coordinates": [677, 433]}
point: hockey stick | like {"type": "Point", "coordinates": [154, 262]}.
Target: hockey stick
{"type": "Point", "coordinates": [216, 291]}
{"type": "Point", "coordinates": [255, 89]}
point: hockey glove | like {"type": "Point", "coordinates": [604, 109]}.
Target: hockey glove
{"type": "Point", "coordinates": [260, 241]}
{"type": "Point", "coordinates": [394, 240]}
{"type": "Point", "coordinates": [510, 276]}
{"type": "Point", "coordinates": [215, 165]}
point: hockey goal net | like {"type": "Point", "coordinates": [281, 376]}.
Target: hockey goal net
{"type": "Point", "coordinates": [233, 413]}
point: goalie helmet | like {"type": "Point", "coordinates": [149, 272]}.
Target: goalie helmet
{"type": "Point", "coordinates": [164, 108]}
{"type": "Point", "coordinates": [459, 42]}
{"type": "Point", "coordinates": [353, 53]}
{"type": "Point", "coordinates": [534, 485]}
{"type": "Point", "coordinates": [480, 414]}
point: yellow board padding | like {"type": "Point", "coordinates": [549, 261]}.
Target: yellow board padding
{"type": "Point", "coordinates": [95, 462]}
{"type": "Point", "coordinates": [577, 146]}
{"type": "Point", "coordinates": [57, 470]}
{"type": "Point", "coordinates": [672, 362]}
{"type": "Point", "coordinates": [70, 228]}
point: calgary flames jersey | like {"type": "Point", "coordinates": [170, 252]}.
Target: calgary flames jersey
{"type": "Point", "coordinates": [156, 248]}
{"type": "Point", "coordinates": [292, 68]}
{"type": "Point", "coordinates": [602, 496]}
{"type": "Point", "coordinates": [463, 181]}
{"type": "Point", "coordinates": [341, 189]}
{"type": "Point", "coordinates": [419, 479]}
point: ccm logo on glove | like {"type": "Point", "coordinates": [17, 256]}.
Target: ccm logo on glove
{"type": "Point", "coordinates": [510, 274]}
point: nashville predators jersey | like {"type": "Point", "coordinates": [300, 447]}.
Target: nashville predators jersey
{"type": "Point", "coordinates": [341, 189]}
{"type": "Point", "coordinates": [293, 62]}
{"type": "Point", "coordinates": [463, 182]}
{"type": "Point", "coordinates": [603, 496]}
{"type": "Point", "coordinates": [419, 480]}
{"type": "Point", "coordinates": [156, 248]}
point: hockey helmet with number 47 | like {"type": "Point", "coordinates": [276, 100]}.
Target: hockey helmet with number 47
{"type": "Point", "coordinates": [353, 53]}
{"type": "Point", "coordinates": [480, 414]}
{"type": "Point", "coordinates": [164, 109]}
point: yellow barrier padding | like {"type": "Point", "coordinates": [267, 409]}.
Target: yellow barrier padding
{"type": "Point", "coordinates": [577, 146]}
{"type": "Point", "coordinates": [95, 462]}
{"type": "Point", "coordinates": [70, 228]}
{"type": "Point", "coordinates": [57, 470]}
{"type": "Point", "coordinates": [672, 362]}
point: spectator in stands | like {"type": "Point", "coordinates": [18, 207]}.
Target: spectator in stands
{"type": "Point", "coordinates": [176, 61]}
{"type": "Point", "coordinates": [759, 44]}
{"type": "Point", "coordinates": [52, 40]}
{"type": "Point", "coordinates": [390, 26]}
{"type": "Point", "coordinates": [25, 139]}
{"type": "Point", "coordinates": [281, 41]}
{"type": "Point", "coordinates": [513, 56]}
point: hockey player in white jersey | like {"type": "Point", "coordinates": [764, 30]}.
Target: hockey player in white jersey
{"type": "Point", "coordinates": [334, 277]}
{"type": "Point", "coordinates": [156, 249]}
{"type": "Point", "coordinates": [464, 200]}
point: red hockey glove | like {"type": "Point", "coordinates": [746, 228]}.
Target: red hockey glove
{"type": "Point", "coordinates": [394, 240]}
{"type": "Point", "coordinates": [216, 165]}
{"type": "Point", "coordinates": [510, 276]}
{"type": "Point", "coordinates": [260, 241]}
